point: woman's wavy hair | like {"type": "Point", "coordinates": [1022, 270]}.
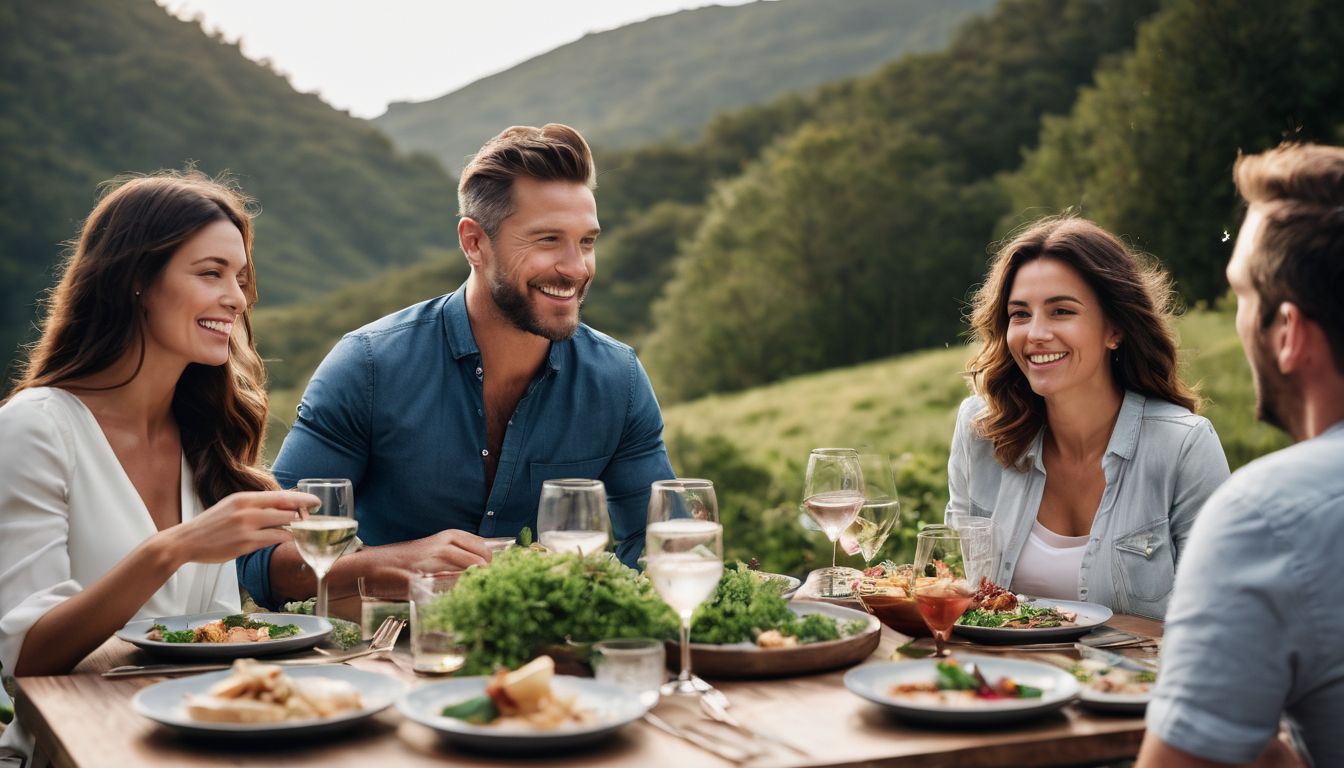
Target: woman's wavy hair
{"type": "Point", "coordinates": [1137, 299]}
{"type": "Point", "coordinates": [94, 316]}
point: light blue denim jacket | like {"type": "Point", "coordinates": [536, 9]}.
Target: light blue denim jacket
{"type": "Point", "coordinates": [1161, 464]}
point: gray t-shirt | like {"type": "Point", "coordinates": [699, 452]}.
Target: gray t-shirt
{"type": "Point", "coordinates": [1255, 628]}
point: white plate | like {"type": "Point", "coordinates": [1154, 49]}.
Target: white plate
{"type": "Point", "coordinates": [874, 682]}
{"type": "Point", "coordinates": [164, 703]}
{"type": "Point", "coordinates": [312, 630]}
{"type": "Point", "coordinates": [1120, 703]}
{"type": "Point", "coordinates": [1089, 615]}
{"type": "Point", "coordinates": [791, 583]}
{"type": "Point", "coordinates": [614, 707]}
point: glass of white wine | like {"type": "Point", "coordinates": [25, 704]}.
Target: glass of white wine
{"type": "Point", "coordinates": [880, 511]}
{"type": "Point", "coordinates": [572, 516]}
{"type": "Point", "coordinates": [323, 535]}
{"type": "Point", "coordinates": [683, 545]}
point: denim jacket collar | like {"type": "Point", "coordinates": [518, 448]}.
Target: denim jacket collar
{"type": "Point", "coordinates": [1124, 436]}
{"type": "Point", "coordinates": [461, 341]}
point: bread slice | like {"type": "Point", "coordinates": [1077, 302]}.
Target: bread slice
{"type": "Point", "coordinates": [211, 709]}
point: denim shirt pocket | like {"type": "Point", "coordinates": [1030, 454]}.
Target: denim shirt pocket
{"type": "Point", "coordinates": [539, 472]}
{"type": "Point", "coordinates": [1143, 560]}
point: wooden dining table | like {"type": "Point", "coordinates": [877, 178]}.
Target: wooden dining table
{"type": "Point", "coordinates": [84, 719]}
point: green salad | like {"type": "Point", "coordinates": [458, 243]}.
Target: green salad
{"type": "Point", "coordinates": [747, 604]}
{"type": "Point", "coordinates": [237, 620]}
{"type": "Point", "coordinates": [1023, 617]}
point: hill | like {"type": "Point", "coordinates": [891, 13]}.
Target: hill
{"type": "Point", "coordinates": [90, 90]}
{"type": "Point", "coordinates": [754, 443]}
{"type": "Point", "coordinates": [665, 77]}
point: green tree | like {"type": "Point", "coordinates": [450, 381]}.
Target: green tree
{"type": "Point", "coordinates": [1148, 151]}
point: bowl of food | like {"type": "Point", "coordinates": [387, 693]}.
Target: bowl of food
{"type": "Point", "coordinates": [886, 591]}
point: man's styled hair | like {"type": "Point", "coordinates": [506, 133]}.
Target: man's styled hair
{"type": "Point", "coordinates": [553, 152]}
{"type": "Point", "coordinates": [1299, 256]}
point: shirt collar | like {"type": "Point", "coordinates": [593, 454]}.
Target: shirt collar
{"type": "Point", "coordinates": [461, 341]}
{"type": "Point", "coordinates": [457, 326]}
{"type": "Point", "coordinates": [1124, 436]}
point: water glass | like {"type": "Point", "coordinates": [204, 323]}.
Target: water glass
{"type": "Point", "coordinates": [434, 644]}
{"type": "Point", "coordinates": [635, 664]}
{"type": "Point", "coordinates": [572, 516]}
{"type": "Point", "coordinates": [377, 603]}
{"type": "Point", "coordinates": [977, 539]}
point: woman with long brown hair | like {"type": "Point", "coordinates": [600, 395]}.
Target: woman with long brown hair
{"type": "Point", "coordinates": [1081, 441]}
{"type": "Point", "coordinates": [129, 462]}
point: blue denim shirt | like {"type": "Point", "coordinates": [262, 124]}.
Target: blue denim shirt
{"type": "Point", "coordinates": [1254, 627]}
{"type": "Point", "coordinates": [1161, 464]}
{"type": "Point", "coordinates": [397, 407]}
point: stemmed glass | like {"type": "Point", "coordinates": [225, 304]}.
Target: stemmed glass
{"type": "Point", "coordinates": [684, 549]}
{"type": "Point", "coordinates": [832, 496]}
{"type": "Point", "coordinates": [327, 530]}
{"type": "Point", "coordinates": [942, 592]}
{"type": "Point", "coordinates": [572, 516]}
{"type": "Point", "coordinates": [879, 513]}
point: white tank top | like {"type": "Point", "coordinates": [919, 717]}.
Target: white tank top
{"type": "Point", "coordinates": [1049, 564]}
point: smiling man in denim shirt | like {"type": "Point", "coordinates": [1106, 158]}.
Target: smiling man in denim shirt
{"type": "Point", "coordinates": [449, 414]}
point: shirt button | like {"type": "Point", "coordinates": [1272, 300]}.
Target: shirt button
{"type": "Point", "coordinates": [490, 513]}
{"type": "Point", "coordinates": [484, 452]}
{"type": "Point", "coordinates": [510, 422]}
{"type": "Point", "coordinates": [479, 370]}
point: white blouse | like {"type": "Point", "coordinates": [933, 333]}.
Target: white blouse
{"type": "Point", "coordinates": [68, 513]}
{"type": "Point", "coordinates": [1049, 564]}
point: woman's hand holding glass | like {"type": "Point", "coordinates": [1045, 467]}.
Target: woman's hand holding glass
{"type": "Point", "coordinates": [240, 523]}
{"type": "Point", "coordinates": [684, 550]}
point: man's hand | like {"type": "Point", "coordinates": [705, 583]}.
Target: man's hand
{"type": "Point", "coordinates": [381, 566]}
{"type": "Point", "coordinates": [451, 550]}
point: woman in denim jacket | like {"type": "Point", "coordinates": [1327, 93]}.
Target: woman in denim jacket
{"type": "Point", "coordinates": [1081, 442]}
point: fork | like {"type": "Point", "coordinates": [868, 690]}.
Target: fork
{"type": "Point", "coordinates": [715, 705]}
{"type": "Point", "coordinates": [382, 641]}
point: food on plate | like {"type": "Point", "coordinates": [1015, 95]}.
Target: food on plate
{"type": "Point", "coordinates": [887, 592]}
{"type": "Point", "coordinates": [260, 693]}
{"type": "Point", "coordinates": [955, 684]}
{"type": "Point", "coordinates": [1109, 679]}
{"type": "Point", "coordinates": [237, 628]}
{"type": "Point", "coordinates": [523, 697]}
{"type": "Point", "coordinates": [992, 607]}
{"type": "Point", "coordinates": [748, 608]}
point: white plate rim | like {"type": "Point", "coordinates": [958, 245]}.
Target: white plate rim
{"type": "Point", "coordinates": [858, 684]}
{"type": "Point", "coordinates": [134, 633]}
{"type": "Point", "coordinates": [416, 704]}
{"type": "Point", "coordinates": [1100, 615]}
{"type": "Point", "coordinates": [178, 720]}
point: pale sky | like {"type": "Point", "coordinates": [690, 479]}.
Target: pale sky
{"type": "Point", "coordinates": [358, 55]}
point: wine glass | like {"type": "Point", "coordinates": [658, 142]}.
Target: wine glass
{"type": "Point", "coordinates": [832, 497]}
{"type": "Point", "coordinates": [879, 513]}
{"type": "Point", "coordinates": [942, 592]}
{"type": "Point", "coordinates": [572, 516]}
{"type": "Point", "coordinates": [327, 530]}
{"type": "Point", "coordinates": [684, 549]}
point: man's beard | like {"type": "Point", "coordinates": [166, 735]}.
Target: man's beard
{"type": "Point", "coordinates": [518, 310]}
{"type": "Point", "coordinates": [1271, 388]}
